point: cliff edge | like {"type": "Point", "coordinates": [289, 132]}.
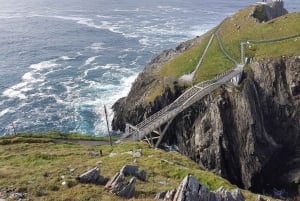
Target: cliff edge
{"type": "Point", "coordinates": [249, 134]}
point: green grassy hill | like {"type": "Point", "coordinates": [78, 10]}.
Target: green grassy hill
{"type": "Point", "coordinates": [37, 166]}
{"type": "Point", "coordinates": [240, 27]}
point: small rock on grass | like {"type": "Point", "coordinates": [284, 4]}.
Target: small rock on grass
{"type": "Point", "coordinates": [119, 186]}
{"type": "Point", "coordinates": [92, 176]}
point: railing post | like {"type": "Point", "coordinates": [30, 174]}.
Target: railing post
{"type": "Point", "coordinates": [242, 52]}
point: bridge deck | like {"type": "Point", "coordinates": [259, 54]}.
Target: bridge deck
{"type": "Point", "coordinates": [188, 98]}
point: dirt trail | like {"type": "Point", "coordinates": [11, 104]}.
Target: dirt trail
{"type": "Point", "coordinates": [81, 142]}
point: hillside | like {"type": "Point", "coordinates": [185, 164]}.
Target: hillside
{"type": "Point", "coordinates": [40, 169]}
{"type": "Point", "coordinates": [165, 70]}
{"type": "Point", "coordinates": [248, 134]}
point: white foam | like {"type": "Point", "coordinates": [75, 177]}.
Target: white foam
{"type": "Point", "coordinates": [65, 58]}
{"type": "Point", "coordinates": [12, 93]}
{"type": "Point", "coordinates": [91, 69]}
{"type": "Point", "coordinates": [126, 82]}
{"type": "Point", "coordinates": [97, 47]}
{"type": "Point", "coordinates": [30, 79]}
{"type": "Point", "coordinates": [110, 66]}
{"type": "Point", "coordinates": [198, 30]}
{"type": "Point", "coordinates": [90, 60]}
{"type": "Point", "coordinates": [90, 23]}
{"type": "Point", "coordinates": [127, 10]}
{"type": "Point", "coordinates": [104, 16]}
{"type": "Point", "coordinates": [110, 26]}
{"type": "Point", "coordinates": [123, 56]}
{"type": "Point", "coordinates": [145, 41]}
{"type": "Point", "coordinates": [44, 64]}
{"type": "Point", "coordinates": [4, 112]}
{"type": "Point", "coordinates": [27, 77]}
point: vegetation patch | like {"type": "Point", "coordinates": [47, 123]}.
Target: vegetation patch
{"type": "Point", "coordinates": [243, 26]}
{"type": "Point", "coordinates": [40, 137]}
{"type": "Point", "coordinates": [48, 171]}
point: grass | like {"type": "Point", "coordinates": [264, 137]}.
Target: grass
{"type": "Point", "coordinates": [214, 63]}
{"type": "Point", "coordinates": [185, 62]}
{"type": "Point", "coordinates": [251, 30]}
{"type": "Point", "coordinates": [39, 169]}
{"type": "Point", "coordinates": [237, 28]}
{"type": "Point", "coordinates": [52, 135]}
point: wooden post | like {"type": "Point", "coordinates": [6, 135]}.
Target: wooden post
{"type": "Point", "coordinates": [105, 110]}
{"type": "Point", "coordinates": [15, 133]}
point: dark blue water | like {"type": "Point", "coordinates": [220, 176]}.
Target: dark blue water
{"type": "Point", "coordinates": [62, 61]}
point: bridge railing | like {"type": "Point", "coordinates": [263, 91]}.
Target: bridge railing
{"type": "Point", "coordinates": [188, 93]}
{"type": "Point", "coordinates": [182, 102]}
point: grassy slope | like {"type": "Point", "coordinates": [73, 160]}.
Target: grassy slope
{"type": "Point", "coordinates": [235, 29]}
{"type": "Point", "coordinates": [38, 168]}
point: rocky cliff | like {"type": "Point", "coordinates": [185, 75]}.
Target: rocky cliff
{"type": "Point", "coordinates": [249, 134]}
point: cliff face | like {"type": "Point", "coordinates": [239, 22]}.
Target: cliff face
{"type": "Point", "coordinates": [248, 134]}
{"type": "Point", "coordinates": [134, 108]}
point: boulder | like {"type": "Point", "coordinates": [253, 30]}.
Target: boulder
{"type": "Point", "coordinates": [92, 176]}
{"type": "Point", "coordinates": [190, 190]}
{"type": "Point", "coordinates": [237, 194]}
{"type": "Point", "coordinates": [161, 195]}
{"type": "Point", "coordinates": [259, 198]}
{"type": "Point", "coordinates": [119, 186]}
{"type": "Point", "coordinates": [17, 196]}
{"type": "Point", "coordinates": [133, 170]}
{"type": "Point", "coordinates": [187, 190]}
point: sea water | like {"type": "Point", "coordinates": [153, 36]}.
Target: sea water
{"type": "Point", "coordinates": [62, 61]}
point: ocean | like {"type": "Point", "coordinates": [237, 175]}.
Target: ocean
{"type": "Point", "coordinates": [62, 61]}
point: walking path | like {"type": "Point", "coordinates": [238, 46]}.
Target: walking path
{"type": "Point", "coordinates": [193, 94]}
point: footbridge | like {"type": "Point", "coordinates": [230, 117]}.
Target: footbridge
{"type": "Point", "coordinates": [150, 129]}
{"type": "Point", "coordinates": [168, 113]}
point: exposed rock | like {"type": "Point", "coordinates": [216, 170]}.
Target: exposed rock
{"type": "Point", "coordinates": [119, 186]}
{"type": "Point", "coordinates": [92, 176]}
{"type": "Point", "coordinates": [234, 195]}
{"type": "Point", "coordinates": [237, 194]}
{"type": "Point", "coordinates": [259, 198]}
{"type": "Point", "coordinates": [269, 11]}
{"type": "Point", "coordinates": [161, 195]}
{"type": "Point", "coordinates": [112, 154]}
{"type": "Point", "coordinates": [190, 190]}
{"type": "Point", "coordinates": [243, 134]}
{"type": "Point", "coordinates": [99, 162]}
{"type": "Point", "coordinates": [187, 190]}
{"type": "Point", "coordinates": [132, 108]}
{"type": "Point", "coordinates": [17, 196]}
{"type": "Point", "coordinates": [135, 154]}
{"type": "Point", "coordinates": [133, 170]}
{"type": "Point", "coordinates": [94, 153]}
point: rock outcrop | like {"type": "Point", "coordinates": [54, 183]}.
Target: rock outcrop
{"type": "Point", "coordinates": [248, 134]}
{"type": "Point", "coordinates": [269, 11]}
{"type": "Point", "coordinates": [133, 170]}
{"type": "Point", "coordinates": [190, 190]}
{"type": "Point", "coordinates": [92, 176]}
{"type": "Point", "coordinates": [119, 186]}
{"type": "Point", "coordinates": [132, 108]}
